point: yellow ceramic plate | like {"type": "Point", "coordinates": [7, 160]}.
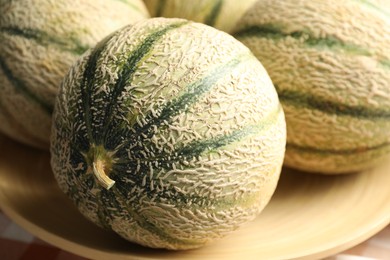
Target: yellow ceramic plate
{"type": "Point", "coordinates": [310, 216]}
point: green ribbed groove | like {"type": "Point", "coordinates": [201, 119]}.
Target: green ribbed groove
{"type": "Point", "coordinates": [116, 199]}
{"type": "Point", "coordinates": [160, 7]}
{"type": "Point", "coordinates": [128, 70]}
{"type": "Point", "coordinates": [140, 149]}
{"type": "Point", "coordinates": [274, 32]}
{"type": "Point", "coordinates": [173, 107]}
{"type": "Point", "coordinates": [142, 220]}
{"type": "Point", "coordinates": [87, 84]}
{"type": "Point", "coordinates": [213, 15]}
{"type": "Point", "coordinates": [385, 63]}
{"type": "Point", "coordinates": [183, 200]}
{"type": "Point", "coordinates": [326, 151]}
{"type": "Point", "coordinates": [90, 80]}
{"type": "Point", "coordinates": [140, 133]}
{"type": "Point", "coordinates": [197, 148]}
{"type": "Point", "coordinates": [103, 213]}
{"type": "Point", "coordinates": [144, 223]}
{"type": "Point", "coordinates": [192, 150]}
{"type": "Point", "coordinates": [73, 45]}
{"type": "Point", "coordinates": [137, 166]}
{"type": "Point", "coordinates": [23, 89]}
{"type": "Point", "coordinates": [191, 94]}
{"type": "Point", "coordinates": [304, 100]}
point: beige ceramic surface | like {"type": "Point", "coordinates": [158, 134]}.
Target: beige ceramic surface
{"type": "Point", "coordinates": [310, 216]}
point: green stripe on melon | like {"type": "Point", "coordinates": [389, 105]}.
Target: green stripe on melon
{"type": "Point", "coordinates": [212, 17]}
{"type": "Point", "coordinates": [221, 14]}
{"type": "Point", "coordinates": [40, 40]}
{"type": "Point", "coordinates": [275, 33]}
{"type": "Point", "coordinates": [332, 77]}
{"type": "Point", "coordinates": [170, 133]}
{"type": "Point", "coordinates": [300, 100]}
{"type": "Point", "coordinates": [20, 86]}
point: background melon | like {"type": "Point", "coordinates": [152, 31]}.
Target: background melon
{"type": "Point", "coordinates": [170, 133]}
{"type": "Point", "coordinates": [40, 40]}
{"type": "Point", "coordinates": [221, 14]}
{"type": "Point", "coordinates": [330, 63]}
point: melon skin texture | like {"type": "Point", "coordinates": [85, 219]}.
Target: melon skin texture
{"type": "Point", "coordinates": [330, 63]}
{"type": "Point", "coordinates": [221, 14]}
{"type": "Point", "coordinates": [40, 40]}
{"type": "Point", "coordinates": [170, 133]}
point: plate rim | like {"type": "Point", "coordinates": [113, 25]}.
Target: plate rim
{"type": "Point", "coordinates": [72, 247]}
{"type": "Point", "coordinates": [380, 221]}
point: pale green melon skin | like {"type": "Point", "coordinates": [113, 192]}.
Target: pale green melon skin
{"type": "Point", "coordinates": [192, 200]}
{"type": "Point", "coordinates": [351, 69]}
{"type": "Point", "coordinates": [221, 14]}
{"type": "Point", "coordinates": [37, 63]}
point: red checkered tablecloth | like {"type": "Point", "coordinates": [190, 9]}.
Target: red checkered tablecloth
{"type": "Point", "coordinates": [18, 244]}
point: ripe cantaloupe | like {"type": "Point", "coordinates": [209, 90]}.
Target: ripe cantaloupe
{"type": "Point", "coordinates": [40, 40]}
{"type": "Point", "coordinates": [330, 63]}
{"type": "Point", "coordinates": [170, 133]}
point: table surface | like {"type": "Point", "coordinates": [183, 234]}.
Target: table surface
{"type": "Point", "coordinates": [18, 244]}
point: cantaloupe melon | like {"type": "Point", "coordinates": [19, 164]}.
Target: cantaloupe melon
{"type": "Point", "coordinates": [170, 133]}
{"type": "Point", "coordinates": [40, 40]}
{"type": "Point", "coordinates": [330, 63]}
